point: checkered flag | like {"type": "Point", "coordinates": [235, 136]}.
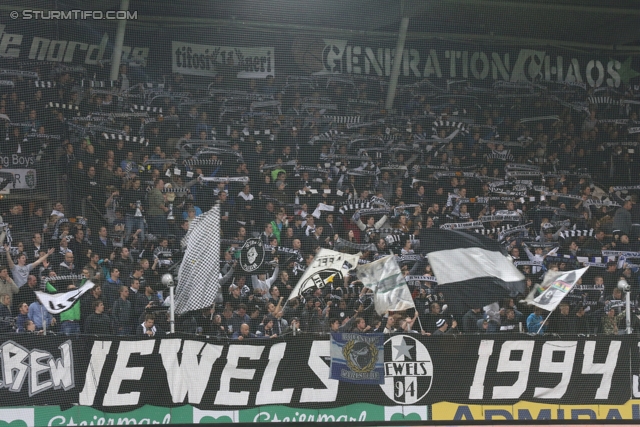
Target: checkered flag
{"type": "Point", "coordinates": [199, 274]}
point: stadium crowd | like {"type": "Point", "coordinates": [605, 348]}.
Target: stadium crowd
{"type": "Point", "coordinates": [548, 169]}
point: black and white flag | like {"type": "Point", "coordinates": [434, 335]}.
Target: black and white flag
{"type": "Point", "coordinates": [328, 267]}
{"type": "Point", "coordinates": [252, 255]}
{"type": "Point", "coordinates": [199, 274]}
{"type": "Point", "coordinates": [472, 270]}
{"type": "Point", "coordinates": [57, 303]}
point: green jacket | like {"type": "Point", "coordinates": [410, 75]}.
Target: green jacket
{"type": "Point", "coordinates": [72, 313]}
{"type": "Point", "coordinates": [276, 230]}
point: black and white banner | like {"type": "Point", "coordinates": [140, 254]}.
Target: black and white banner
{"type": "Point", "coordinates": [362, 57]}
{"type": "Point", "coordinates": [205, 60]}
{"type": "Point", "coordinates": [117, 375]}
{"type": "Point", "coordinates": [252, 255]}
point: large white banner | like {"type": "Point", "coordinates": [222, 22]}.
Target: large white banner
{"type": "Point", "coordinates": [339, 56]}
{"type": "Point", "coordinates": [205, 60]}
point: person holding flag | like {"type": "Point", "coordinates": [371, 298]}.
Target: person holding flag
{"type": "Point", "coordinates": [556, 285]}
{"type": "Point", "coordinates": [71, 316]}
{"type": "Point", "coordinates": [66, 304]}
{"type": "Point", "coordinates": [536, 322]}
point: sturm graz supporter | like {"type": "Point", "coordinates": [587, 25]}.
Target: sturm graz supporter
{"type": "Point", "coordinates": [431, 150]}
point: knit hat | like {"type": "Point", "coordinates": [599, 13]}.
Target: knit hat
{"type": "Point", "coordinates": [439, 323]}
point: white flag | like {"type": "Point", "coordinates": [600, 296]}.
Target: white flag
{"type": "Point", "coordinates": [328, 267]}
{"type": "Point", "coordinates": [385, 279]}
{"type": "Point", "coordinates": [199, 274]}
{"type": "Point", "coordinates": [57, 303]}
{"type": "Point", "coordinates": [556, 285]}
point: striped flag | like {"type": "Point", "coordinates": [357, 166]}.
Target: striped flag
{"type": "Point", "coordinates": [472, 270]}
{"type": "Point", "coordinates": [199, 274]}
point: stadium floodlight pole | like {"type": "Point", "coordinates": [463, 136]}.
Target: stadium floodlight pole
{"type": "Point", "coordinates": [172, 311]}
{"type": "Point", "coordinates": [167, 280]}
{"type": "Point", "coordinates": [624, 286]}
{"type": "Point", "coordinates": [397, 59]}
{"type": "Point", "coordinates": [117, 47]}
{"type": "Point", "coordinates": [628, 312]}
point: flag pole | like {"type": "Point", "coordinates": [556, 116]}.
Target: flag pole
{"type": "Point", "coordinates": [544, 321]}
{"type": "Point", "coordinates": [420, 323]}
{"type": "Point", "coordinates": [172, 311]}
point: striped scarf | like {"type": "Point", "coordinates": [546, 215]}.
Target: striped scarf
{"type": "Point", "coordinates": [353, 205]}
{"type": "Point", "coordinates": [461, 225]}
{"type": "Point", "coordinates": [342, 243]}
{"type": "Point", "coordinates": [420, 279]}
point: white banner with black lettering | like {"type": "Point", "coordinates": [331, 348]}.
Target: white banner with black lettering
{"type": "Point", "coordinates": [205, 60]}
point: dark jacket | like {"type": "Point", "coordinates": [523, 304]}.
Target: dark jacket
{"type": "Point", "coordinates": [99, 324]}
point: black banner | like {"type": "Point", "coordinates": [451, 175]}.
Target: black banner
{"type": "Point", "coordinates": [117, 375]}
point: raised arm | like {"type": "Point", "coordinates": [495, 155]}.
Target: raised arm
{"type": "Point", "coordinates": [7, 250]}
{"type": "Point", "coordinates": [529, 254]}
{"type": "Point", "coordinates": [42, 258]}
{"type": "Point", "coordinates": [229, 275]}
{"type": "Point", "coordinates": [381, 222]}
{"type": "Point", "coordinates": [274, 276]}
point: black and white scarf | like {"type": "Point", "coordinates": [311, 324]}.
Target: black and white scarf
{"type": "Point", "coordinates": [408, 258]}
{"type": "Point", "coordinates": [500, 218]}
{"type": "Point", "coordinates": [384, 231]}
{"type": "Point", "coordinates": [420, 279]}
{"type": "Point", "coordinates": [373, 211]}
{"type": "Point", "coordinates": [513, 230]}
{"type": "Point", "coordinates": [342, 243]}
{"type": "Point", "coordinates": [41, 136]}
{"type": "Point", "coordinates": [576, 233]}
{"type": "Point", "coordinates": [501, 155]}
{"type": "Point", "coordinates": [19, 73]}
{"type": "Point", "coordinates": [461, 225]}
{"type": "Point", "coordinates": [379, 201]}
{"type": "Point", "coordinates": [488, 231]}
{"type": "Point", "coordinates": [63, 106]}
{"type": "Point", "coordinates": [354, 205]}
{"type": "Point", "coordinates": [242, 179]}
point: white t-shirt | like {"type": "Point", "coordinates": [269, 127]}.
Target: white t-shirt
{"type": "Point", "coordinates": [20, 274]}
